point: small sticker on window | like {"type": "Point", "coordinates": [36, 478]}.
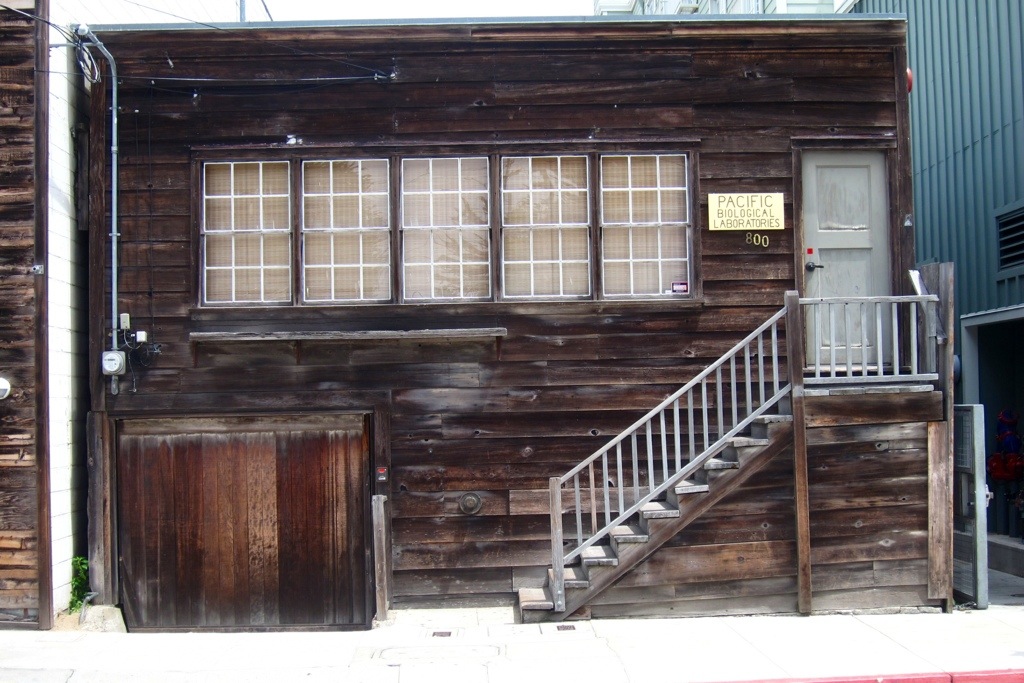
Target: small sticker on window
{"type": "Point", "coordinates": [680, 287]}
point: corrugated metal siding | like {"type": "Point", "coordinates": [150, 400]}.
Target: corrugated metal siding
{"type": "Point", "coordinates": [967, 129]}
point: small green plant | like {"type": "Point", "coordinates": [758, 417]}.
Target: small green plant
{"type": "Point", "coordinates": [79, 582]}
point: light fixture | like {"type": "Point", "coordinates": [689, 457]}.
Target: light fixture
{"type": "Point", "coordinates": [5, 388]}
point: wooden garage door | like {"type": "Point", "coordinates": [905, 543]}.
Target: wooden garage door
{"type": "Point", "coordinates": [243, 523]}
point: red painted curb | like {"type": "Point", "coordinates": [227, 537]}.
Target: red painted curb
{"type": "Point", "coordinates": [893, 678]}
{"type": "Point", "coordinates": [1004, 676]}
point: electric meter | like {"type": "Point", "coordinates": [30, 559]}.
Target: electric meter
{"type": "Point", "coordinates": [113, 362]}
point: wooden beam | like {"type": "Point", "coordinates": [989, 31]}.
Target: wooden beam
{"type": "Point", "coordinates": [42, 337]}
{"type": "Point", "coordinates": [940, 512]}
{"type": "Point", "coordinates": [357, 335]}
{"type": "Point", "coordinates": [801, 490]}
{"type": "Point", "coordinates": [102, 566]}
{"type": "Point", "coordinates": [938, 278]}
{"type": "Point", "coordinates": [381, 556]}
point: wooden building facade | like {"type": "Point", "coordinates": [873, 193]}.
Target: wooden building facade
{"type": "Point", "coordinates": [25, 572]}
{"type": "Point", "coordinates": [392, 279]}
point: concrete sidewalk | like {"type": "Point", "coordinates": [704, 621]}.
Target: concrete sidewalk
{"type": "Point", "coordinates": [482, 645]}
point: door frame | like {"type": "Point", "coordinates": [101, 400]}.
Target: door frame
{"type": "Point", "coordinates": [900, 216]}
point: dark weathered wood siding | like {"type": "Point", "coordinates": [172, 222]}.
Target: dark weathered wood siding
{"type": "Point", "coordinates": [24, 556]}
{"type": "Point", "coordinates": [487, 415]}
{"type": "Point", "coordinates": [868, 495]}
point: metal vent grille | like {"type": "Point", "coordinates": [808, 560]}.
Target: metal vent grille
{"type": "Point", "coordinates": [1011, 239]}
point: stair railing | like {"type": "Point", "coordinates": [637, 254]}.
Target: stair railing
{"type": "Point", "coordinates": [625, 474]}
{"type": "Point", "coordinates": [870, 339]}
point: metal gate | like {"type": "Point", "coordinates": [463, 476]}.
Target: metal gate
{"type": "Point", "coordinates": [970, 526]}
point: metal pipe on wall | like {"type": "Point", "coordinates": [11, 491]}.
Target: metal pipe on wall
{"type": "Point", "coordinates": [86, 34]}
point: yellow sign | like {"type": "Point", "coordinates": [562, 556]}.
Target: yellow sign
{"type": "Point", "coordinates": [737, 211]}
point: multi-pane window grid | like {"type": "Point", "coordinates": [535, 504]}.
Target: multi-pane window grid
{"type": "Point", "coordinates": [645, 224]}
{"type": "Point", "coordinates": [246, 231]}
{"type": "Point", "coordinates": [446, 228]}
{"type": "Point", "coordinates": [545, 223]}
{"type": "Point", "coordinates": [545, 226]}
{"type": "Point", "coordinates": [346, 230]}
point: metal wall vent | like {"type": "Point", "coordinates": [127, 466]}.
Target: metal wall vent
{"type": "Point", "coordinates": [1011, 239]}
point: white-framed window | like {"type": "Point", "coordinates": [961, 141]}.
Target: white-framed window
{"type": "Point", "coordinates": [545, 226]}
{"type": "Point", "coordinates": [246, 232]}
{"type": "Point", "coordinates": [446, 239]}
{"type": "Point", "coordinates": [393, 229]}
{"type": "Point", "coordinates": [346, 230]}
{"type": "Point", "coordinates": [645, 225]}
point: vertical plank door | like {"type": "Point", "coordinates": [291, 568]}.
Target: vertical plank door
{"type": "Point", "coordinates": [244, 523]}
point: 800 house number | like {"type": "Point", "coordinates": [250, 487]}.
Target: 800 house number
{"type": "Point", "coordinates": [757, 239]}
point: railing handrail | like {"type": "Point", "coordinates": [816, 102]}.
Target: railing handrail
{"type": "Point", "coordinates": [833, 360]}
{"type": "Point", "coordinates": [704, 374]}
{"type": "Point", "coordinates": [902, 298]}
{"type": "Point", "coordinates": [697, 462]}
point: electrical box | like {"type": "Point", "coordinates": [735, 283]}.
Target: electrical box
{"type": "Point", "coordinates": [113, 362]}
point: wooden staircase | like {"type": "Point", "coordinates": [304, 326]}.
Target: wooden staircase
{"type": "Point", "coordinates": [630, 497]}
{"type": "Point", "coordinates": [601, 565]}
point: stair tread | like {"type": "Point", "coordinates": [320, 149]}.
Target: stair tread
{"type": "Point", "coordinates": [599, 555]}
{"type": "Point", "coordinates": [659, 510]}
{"type": "Point", "coordinates": [766, 419]}
{"type": "Point", "coordinates": [574, 577]}
{"type": "Point", "coordinates": [744, 441]}
{"type": "Point", "coordinates": [535, 598]}
{"type": "Point", "coordinates": [719, 464]}
{"type": "Point", "coordinates": [625, 533]}
{"type": "Point", "coordinates": [686, 486]}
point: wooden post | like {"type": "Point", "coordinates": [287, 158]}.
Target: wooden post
{"type": "Point", "coordinates": [381, 557]}
{"type": "Point", "coordinates": [801, 497]}
{"type": "Point", "coordinates": [102, 552]}
{"type": "Point", "coordinates": [938, 278]}
{"type": "Point", "coordinates": [557, 587]}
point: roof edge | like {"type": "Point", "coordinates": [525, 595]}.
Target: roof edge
{"type": "Point", "coordinates": [492, 22]}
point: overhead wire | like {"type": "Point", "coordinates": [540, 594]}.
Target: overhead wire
{"type": "Point", "coordinates": [266, 9]}
{"type": "Point", "coordinates": [377, 73]}
{"type": "Point", "coordinates": [91, 71]}
{"type": "Point", "coordinates": [72, 38]}
{"type": "Point", "coordinates": [246, 81]}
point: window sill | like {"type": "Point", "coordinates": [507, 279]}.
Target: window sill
{"type": "Point", "coordinates": [358, 335]}
{"type": "Point", "coordinates": [362, 315]}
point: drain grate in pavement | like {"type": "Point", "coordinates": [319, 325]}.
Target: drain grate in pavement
{"type": "Point", "coordinates": [566, 627]}
{"type": "Point", "coordinates": [441, 634]}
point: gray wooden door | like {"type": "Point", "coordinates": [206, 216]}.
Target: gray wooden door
{"type": "Point", "coordinates": [845, 212]}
